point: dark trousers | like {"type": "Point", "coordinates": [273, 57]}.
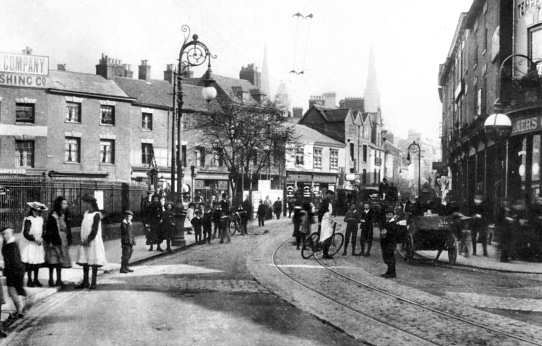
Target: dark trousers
{"type": "Point", "coordinates": [388, 255]}
{"type": "Point", "coordinates": [208, 233]}
{"type": "Point", "coordinates": [325, 246]}
{"type": "Point", "coordinates": [277, 214]}
{"type": "Point", "coordinates": [127, 251]}
{"type": "Point", "coordinates": [482, 236]}
{"type": "Point", "coordinates": [244, 226]}
{"type": "Point", "coordinates": [215, 229]}
{"type": "Point", "coordinates": [224, 231]}
{"type": "Point", "coordinates": [351, 234]}
{"type": "Point", "coordinates": [366, 239]}
{"type": "Point", "coordinates": [261, 221]}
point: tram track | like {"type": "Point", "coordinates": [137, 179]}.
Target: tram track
{"type": "Point", "coordinates": [389, 295]}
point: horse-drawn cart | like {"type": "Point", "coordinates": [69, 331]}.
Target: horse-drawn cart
{"type": "Point", "coordinates": [431, 232]}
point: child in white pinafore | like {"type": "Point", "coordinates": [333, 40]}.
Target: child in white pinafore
{"type": "Point", "coordinates": [91, 251]}
{"type": "Point", "coordinates": [31, 242]}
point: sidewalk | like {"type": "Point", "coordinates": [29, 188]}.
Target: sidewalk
{"type": "Point", "coordinates": [491, 262]}
{"type": "Point", "coordinates": [74, 275]}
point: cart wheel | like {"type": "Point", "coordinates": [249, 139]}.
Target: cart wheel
{"type": "Point", "coordinates": [308, 246]}
{"type": "Point", "coordinates": [409, 247]}
{"type": "Point", "coordinates": [337, 241]}
{"type": "Point", "coordinates": [452, 252]}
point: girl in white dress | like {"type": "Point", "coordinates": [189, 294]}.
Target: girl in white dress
{"type": "Point", "coordinates": [91, 251]}
{"type": "Point", "coordinates": [31, 243]}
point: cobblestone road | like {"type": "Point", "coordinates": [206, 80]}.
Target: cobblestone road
{"type": "Point", "coordinates": [386, 311]}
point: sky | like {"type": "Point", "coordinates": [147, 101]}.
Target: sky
{"type": "Point", "coordinates": [410, 40]}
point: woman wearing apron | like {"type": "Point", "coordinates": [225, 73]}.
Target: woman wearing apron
{"type": "Point", "coordinates": [91, 250]}
{"type": "Point", "coordinates": [31, 243]}
{"type": "Point", "coordinates": [326, 223]}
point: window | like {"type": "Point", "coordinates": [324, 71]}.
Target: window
{"type": "Point", "coordinates": [484, 40]}
{"type": "Point", "coordinates": [107, 115]}
{"type": "Point", "coordinates": [72, 149]}
{"type": "Point", "coordinates": [199, 157]}
{"type": "Point", "coordinates": [24, 153]}
{"type": "Point", "coordinates": [217, 159]}
{"type": "Point", "coordinates": [483, 98]}
{"type": "Point", "coordinates": [535, 44]}
{"type": "Point", "coordinates": [299, 156]}
{"type": "Point", "coordinates": [333, 159]}
{"type": "Point", "coordinates": [183, 154]}
{"type": "Point", "coordinates": [107, 151]}
{"type": "Point", "coordinates": [73, 112]}
{"type": "Point", "coordinates": [147, 153]}
{"type": "Point", "coordinates": [146, 121]}
{"type": "Point", "coordinates": [317, 157]}
{"type": "Point", "coordinates": [364, 177]}
{"type": "Point", "coordinates": [352, 151]}
{"type": "Point", "coordinates": [364, 153]}
{"type": "Point", "coordinates": [24, 112]}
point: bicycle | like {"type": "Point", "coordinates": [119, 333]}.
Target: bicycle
{"type": "Point", "coordinates": [235, 223]}
{"type": "Point", "coordinates": [312, 244]}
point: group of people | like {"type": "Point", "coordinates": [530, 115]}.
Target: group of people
{"type": "Point", "coordinates": [391, 222]}
{"type": "Point", "coordinates": [266, 209]}
{"type": "Point", "coordinates": [45, 243]}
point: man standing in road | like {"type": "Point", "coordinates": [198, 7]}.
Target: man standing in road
{"type": "Point", "coordinates": [277, 208]}
{"type": "Point", "coordinates": [325, 220]}
{"type": "Point", "coordinates": [367, 218]}
{"type": "Point", "coordinates": [261, 214]}
{"type": "Point", "coordinates": [479, 224]}
{"type": "Point", "coordinates": [388, 237]}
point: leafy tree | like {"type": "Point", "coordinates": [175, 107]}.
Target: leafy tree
{"type": "Point", "coordinates": [247, 139]}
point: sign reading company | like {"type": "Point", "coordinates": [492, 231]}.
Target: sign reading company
{"type": "Point", "coordinates": [23, 70]}
{"type": "Point", "coordinates": [526, 125]}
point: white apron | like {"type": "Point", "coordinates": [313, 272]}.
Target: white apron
{"type": "Point", "coordinates": [94, 253]}
{"type": "Point", "coordinates": [31, 252]}
{"type": "Point", "coordinates": [326, 226]}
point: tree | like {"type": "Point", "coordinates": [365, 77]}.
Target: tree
{"type": "Point", "coordinates": [246, 139]}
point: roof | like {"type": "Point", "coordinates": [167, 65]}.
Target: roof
{"type": "Point", "coordinates": [333, 115]}
{"type": "Point", "coordinates": [159, 93]}
{"type": "Point", "coordinates": [305, 134]}
{"type": "Point", "coordinates": [83, 83]}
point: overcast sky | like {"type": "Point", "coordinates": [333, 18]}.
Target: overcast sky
{"type": "Point", "coordinates": [411, 38]}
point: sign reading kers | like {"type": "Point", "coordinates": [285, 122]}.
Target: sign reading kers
{"type": "Point", "coordinates": [23, 70]}
{"type": "Point", "coordinates": [525, 125]}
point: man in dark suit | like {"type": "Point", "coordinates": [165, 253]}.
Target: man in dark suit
{"type": "Point", "coordinates": [479, 224]}
{"type": "Point", "coordinates": [388, 242]}
{"type": "Point", "coordinates": [367, 218]}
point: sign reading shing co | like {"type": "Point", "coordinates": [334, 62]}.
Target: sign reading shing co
{"type": "Point", "coordinates": [23, 70]}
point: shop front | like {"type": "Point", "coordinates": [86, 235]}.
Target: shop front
{"type": "Point", "coordinates": [309, 185]}
{"type": "Point", "coordinates": [207, 185]}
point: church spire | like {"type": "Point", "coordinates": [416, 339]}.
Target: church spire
{"type": "Point", "coordinates": [371, 95]}
{"type": "Point", "coordinates": [265, 74]}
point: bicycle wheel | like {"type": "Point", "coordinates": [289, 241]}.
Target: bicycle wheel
{"type": "Point", "coordinates": [307, 251]}
{"type": "Point", "coordinates": [337, 241]}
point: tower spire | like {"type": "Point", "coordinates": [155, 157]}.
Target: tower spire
{"type": "Point", "coordinates": [372, 94]}
{"type": "Point", "coordinates": [265, 74]}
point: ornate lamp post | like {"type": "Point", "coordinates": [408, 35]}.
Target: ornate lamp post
{"type": "Point", "coordinates": [416, 146]}
{"type": "Point", "coordinates": [193, 53]}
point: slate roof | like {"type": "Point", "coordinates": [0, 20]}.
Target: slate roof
{"type": "Point", "coordinates": [333, 115]}
{"type": "Point", "coordinates": [228, 85]}
{"type": "Point", "coordinates": [83, 83]}
{"type": "Point", "coordinates": [305, 134]}
{"type": "Point", "coordinates": [159, 93]}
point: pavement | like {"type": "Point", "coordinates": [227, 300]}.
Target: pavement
{"type": "Point", "coordinates": [74, 275]}
{"type": "Point", "coordinates": [490, 262]}
{"type": "Point", "coordinates": [204, 295]}
{"type": "Point", "coordinates": [348, 293]}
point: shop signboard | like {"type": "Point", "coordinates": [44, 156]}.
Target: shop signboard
{"type": "Point", "coordinates": [23, 70]}
{"type": "Point", "coordinates": [526, 125]}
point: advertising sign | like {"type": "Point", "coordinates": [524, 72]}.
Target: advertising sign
{"type": "Point", "coordinates": [23, 70]}
{"type": "Point", "coordinates": [525, 125]}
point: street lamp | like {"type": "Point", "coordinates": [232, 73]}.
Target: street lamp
{"type": "Point", "coordinates": [417, 146]}
{"type": "Point", "coordinates": [193, 53]}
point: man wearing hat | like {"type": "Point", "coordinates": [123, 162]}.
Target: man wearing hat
{"type": "Point", "coordinates": [127, 241]}
{"type": "Point", "coordinates": [479, 224]}
{"type": "Point", "coordinates": [388, 242]}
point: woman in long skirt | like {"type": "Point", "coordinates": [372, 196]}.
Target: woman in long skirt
{"type": "Point", "coordinates": [91, 250]}
{"type": "Point", "coordinates": [32, 252]}
{"type": "Point", "coordinates": [57, 239]}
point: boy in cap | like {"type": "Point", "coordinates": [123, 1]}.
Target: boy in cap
{"type": "Point", "coordinates": [14, 270]}
{"type": "Point", "coordinates": [127, 241]}
{"type": "Point", "coordinates": [388, 238]}
{"type": "Point", "coordinates": [197, 224]}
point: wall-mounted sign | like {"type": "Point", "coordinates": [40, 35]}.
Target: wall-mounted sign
{"type": "Point", "coordinates": [23, 70]}
{"type": "Point", "coordinates": [525, 125]}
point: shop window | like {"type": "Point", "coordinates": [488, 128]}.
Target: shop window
{"type": "Point", "coordinates": [72, 149]}
{"type": "Point", "coordinates": [536, 160]}
{"type": "Point", "coordinates": [24, 113]}
{"type": "Point", "coordinates": [24, 153]}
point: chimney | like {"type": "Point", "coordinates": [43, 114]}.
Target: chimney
{"type": "Point", "coordinates": [127, 71]}
{"type": "Point", "coordinates": [61, 67]}
{"type": "Point", "coordinates": [169, 73]}
{"type": "Point", "coordinates": [144, 70]}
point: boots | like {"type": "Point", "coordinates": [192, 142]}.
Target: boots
{"type": "Point", "coordinates": [168, 245]}
{"type": "Point", "coordinates": [59, 277]}
{"type": "Point", "coordinates": [37, 283]}
{"type": "Point", "coordinates": [150, 248]}
{"type": "Point", "coordinates": [29, 283]}
{"type": "Point", "coordinates": [94, 274]}
{"type": "Point", "coordinates": [51, 281]}
{"type": "Point", "coordinates": [84, 283]}
{"type": "Point", "coordinates": [124, 267]}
